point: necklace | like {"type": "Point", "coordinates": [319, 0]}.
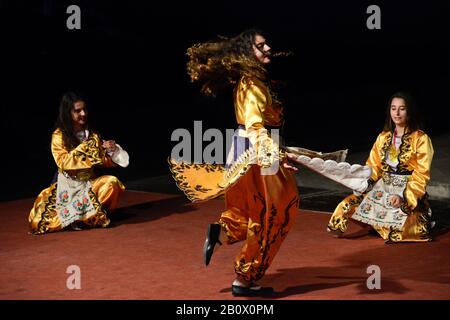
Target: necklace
{"type": "Point", "coordinates": [394, 150]}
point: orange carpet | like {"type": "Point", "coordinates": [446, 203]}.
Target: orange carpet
{"type": "Point", "coordinates": [154, 251]}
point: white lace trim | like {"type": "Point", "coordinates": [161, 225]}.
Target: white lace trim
{"type": "Point", "coordinates": [352, 176]}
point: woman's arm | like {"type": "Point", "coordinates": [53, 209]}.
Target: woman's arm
{"type": "Point", "coordinates": [116, 155]}
{"type": "Point", "coordinates": [255, 102]}
{"type": "Point", "coordinates": [374, 160]}
{"type": "Point", "coordinates": [417, 183]}
{"type": "Point", "coordinates": [84, 156]}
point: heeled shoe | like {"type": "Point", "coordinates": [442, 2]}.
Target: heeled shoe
{"type": "Point", "coordinates": [253, 290]}
{"type": "Point", "coordinates": [212, 238]}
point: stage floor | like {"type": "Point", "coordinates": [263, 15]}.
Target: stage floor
{"type": "Point", "coordinates": [154, 251]}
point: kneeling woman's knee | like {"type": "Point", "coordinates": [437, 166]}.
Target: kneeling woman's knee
{"type": "Point", "coordinates": [115, 183]}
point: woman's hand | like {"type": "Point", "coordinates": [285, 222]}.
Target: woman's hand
{"type": "Point", "coordinates": [287, 162]}
{"type": "Point", "coordinates": [396, 201]}
{"type": "Point", "coordinates": [109, 145]}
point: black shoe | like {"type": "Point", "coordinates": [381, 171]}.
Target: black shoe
{"type": "Point", "coordinates": [76, 226]}
{"type": "Point", "coordinates": [253, 291]}
{"type": "Point", "coordinates": [212, 237]}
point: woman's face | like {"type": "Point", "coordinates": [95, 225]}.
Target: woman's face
{"type": "Point", "coordinates": [261, 49]}
{"type": "Point", "coordinates": [399, 114]}
{"type": "Point", "coordinates": [79, 115]}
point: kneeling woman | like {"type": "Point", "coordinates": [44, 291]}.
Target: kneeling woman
{"type": "Point", "coordinates": [395, 202]}
{"type": "Point", "coordinates": [78, 198]}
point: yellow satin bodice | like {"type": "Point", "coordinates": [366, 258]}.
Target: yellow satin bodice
{"type": "Point", "coordinates": [415, 158]}
{"type": "Point", "coordinates": [253, 105]}
{"type": "Point", "coordinates": [84, 157]}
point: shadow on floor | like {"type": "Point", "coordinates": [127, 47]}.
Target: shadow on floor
{"type": "Point", "coordinates": [151, 210]}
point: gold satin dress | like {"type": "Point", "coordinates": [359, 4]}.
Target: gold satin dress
{"type": "Point", "coordinates": [261, 208]}
{"type": "Point", "coordinates": [414, 157]}
{"type": "Point", "coordinates": [78, 164]}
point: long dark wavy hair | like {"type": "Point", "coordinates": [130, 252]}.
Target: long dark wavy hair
{"type": "Point", "coordinates": [414, 119]}
{"type": "Point", "coordinates": [217, 64]}
{"type": "Point", "coordinates": [64, 121]}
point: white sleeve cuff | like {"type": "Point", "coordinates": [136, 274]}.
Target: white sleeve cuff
{"type": "Point", "coordinates": [120, 157]}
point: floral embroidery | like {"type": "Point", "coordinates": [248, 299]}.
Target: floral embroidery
{"type": "Point", "coordinates": [366, 207]}
{"type": "Point", "coordinates": [398, 216]}
{"type": "Point", "coordinates": [377, 195]}
{"type": "Point", "coordinates": [81, 205]}
{"type": "Point", "coordinates": [64, 197]}
{"type": "Point", "coordinates": [381, 214]}
{"type": "Point", "coordinates": [66, 213]}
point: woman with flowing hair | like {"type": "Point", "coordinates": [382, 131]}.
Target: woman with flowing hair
{"type": "Point", "coordinates": [78, 199]}
{"type": "Point", "coordinates": [261, 196]}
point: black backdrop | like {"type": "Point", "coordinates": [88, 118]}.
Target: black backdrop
{"type": "Point", "coordinates": [129, 58]}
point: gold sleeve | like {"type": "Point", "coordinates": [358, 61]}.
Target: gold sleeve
{"type": "Point", "coordinates": [421, 164]}
{"type": "Point", "coordinates": [254, 104]}
{"type": "Point", "coordinates": [374, 160]}
{"type": "Point", "coordinates": [108, 163]}
{"type": "Point", "coordinates": [86, 155]}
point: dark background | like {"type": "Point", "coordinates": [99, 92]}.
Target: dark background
{"type": "Point", "coordinates": [129, 59]}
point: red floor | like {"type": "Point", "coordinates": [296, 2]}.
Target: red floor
{"type": "Point", "coordinates": [154, 251]}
